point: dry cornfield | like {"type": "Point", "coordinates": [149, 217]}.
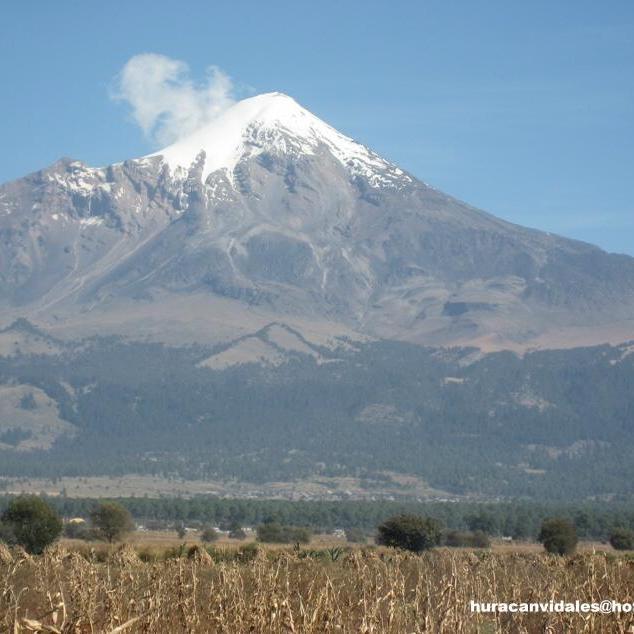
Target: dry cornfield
{"type": "Point", "coordinates": [265, 591]}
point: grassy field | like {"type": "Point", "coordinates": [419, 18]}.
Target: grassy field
{"type": "Point", "coordinates": [321, 487]}
{"type": "Point", "coordinates": [157, 586]}
{"type": "Point", "coordinates": [161, 539]}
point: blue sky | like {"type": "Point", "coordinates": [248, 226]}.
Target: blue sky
{"type": "Point", "coordinates": [525, 109]}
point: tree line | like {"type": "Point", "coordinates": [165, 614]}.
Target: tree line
{"type": "Point", "coordinates": [518, 519]}
{"type": "Point", "coordinates": [32, 523]}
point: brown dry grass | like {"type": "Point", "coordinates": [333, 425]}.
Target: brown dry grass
{"type": "Point", "coordinates": [270, 591]}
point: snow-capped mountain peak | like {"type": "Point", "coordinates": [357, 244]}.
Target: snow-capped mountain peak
{"type": "Point", "coordinates": [268, 214]}
{"type": "Point", "coordinates": [271, 122]}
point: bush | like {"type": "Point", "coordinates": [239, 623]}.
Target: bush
{"type": "Point", "coordinates": [199, 554]}
{"type": "Point", "coordinates": [409, 532]}
{"type": "Point", "coordinates": [79, 530]}
{"type": "Point", "coordinates": [559, 536]}
{"type": "Point", "coordinates": [274, 533]}
{"type": "Point", "coordinates": [299, 535]}
{"type": "Point", "coordinates": [176, 552]}
{"type": "Point", "coordinates": [622, 539]}
{"type": "Point", "coordinates": [467, 539]}
{"type": "Point", "coordinates": [271, 532]}
{"type": "Point", "coordinates": [28, 402]}
{"type": "Point", "coordinates": [111, 520]}
{"type": "Point", "coordinates": [458, 539]}
{"type": "Point", "coordinates": [355, 536]}
{"type": "Point", "coordinates": [248, 552]}
{"type": "Point", "coordinates": [14, 436]}
{"type": "Point", "coordinates": [149, 555]}
{"type": "Point", "coordinates": [209, 535]}
{"type": "Point", "coordinates": [481, 522]}
{"type": "Point", "coordinates": [480, 539]}
{"type": "Point", "coordinates": [32, 523]}
{"type": "Point", "coordinates": [237, 533]}
{"type": "Point", "coordinates": [6, 534]}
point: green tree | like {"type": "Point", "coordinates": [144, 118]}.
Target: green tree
{"type": "Point", "coordinates": [236, 531]}
{"type": "Point", "coordinates": [457, 539]}
{"type": "Point", "coordinates": [6, 534]}
{"type": "Point", "coordinates": [28, 401]}
{"type": "Point", "coordinates": [209, 535]}
{"type": "Point", "coordinates": [32, 523]}
{"type": "Point", "coordinates": [559, 536]}
{"type": "Point", "coordinates": [111, 520]}
{"type": "Point", "coordinates": [271, 533]}
{"type": "Point", "coordinates": [274, 533]}
{"type": "Point", "coordinates": [298, 534]}
{"type": "Point", "coordinates": [463, 539]}
{"type": "Point", "coordinates": [480, 539]}
{"type": "Point", "coordinates": [622, 539]}
{"type": "Point", "coordinates": [77, 530]}
{"type": "Point", "coordinates": [410, 532]}
{"type": "Point", "coordinates": [483, 521]}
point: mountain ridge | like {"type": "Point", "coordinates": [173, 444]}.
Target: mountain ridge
{"type": "Point", "coordinates": [269, 214]}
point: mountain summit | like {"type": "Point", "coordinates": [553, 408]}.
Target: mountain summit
{"type": "Point", "coordinates": [272, 121]}
{"type": "Point", "coordinates": [268, 214]}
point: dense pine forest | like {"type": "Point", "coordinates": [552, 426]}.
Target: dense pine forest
{"type": "Point", "coordinates": [550, 424]}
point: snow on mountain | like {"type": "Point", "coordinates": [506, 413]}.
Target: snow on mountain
{"type": "Point", "coordinates": [268, 214]}
{"type": "Point", "coordinates": [272, 121]}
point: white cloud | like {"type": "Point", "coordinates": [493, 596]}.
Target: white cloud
{"type": "Point", "coordinates": [166, 103]}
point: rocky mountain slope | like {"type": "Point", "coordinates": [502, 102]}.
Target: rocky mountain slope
{"type": "Point", "coordinates": [270, 215]}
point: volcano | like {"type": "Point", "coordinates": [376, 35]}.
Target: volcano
{"type": "Point", "coordinates": [269, 215]}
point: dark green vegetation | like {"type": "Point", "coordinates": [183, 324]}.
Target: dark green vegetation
{"type": "Point", "coordinates": [355, 535]}
{"type": "Point", "coordinates": [209, 535]}
{"type": "Point", "coordinates": [622, 539]}
{"type": "Point", "coordinates": [81, 530]}
{"type": "Point", "coordinates": [14, 436]}
{"type": "Point", "coordinates": [520, 520]}
{"type": "Point", "coordinates": [274, 533]}
{"type": "Point", "coordinates": [553, 424]}
{"type": "Point", "coordinates": [559, 536]}
{"type": "Point", "coordinates": [410, 532]}
{"type": "Point", "coordinates": [236, 531]}
{"type": "Point", "coordinates": [467, 539]}
{"type": "Point", "coordinates": [30, 522]}
{"type": "Point", "coordinates": [111, 520]}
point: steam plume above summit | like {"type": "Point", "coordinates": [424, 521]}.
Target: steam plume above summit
{"type": "Point", "coordinates": [166, 102]}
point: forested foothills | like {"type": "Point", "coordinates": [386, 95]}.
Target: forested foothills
{"type": "Point", "coordinates": [551, 424]}
{"type": "Point", "coordinates": [519, 520]}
